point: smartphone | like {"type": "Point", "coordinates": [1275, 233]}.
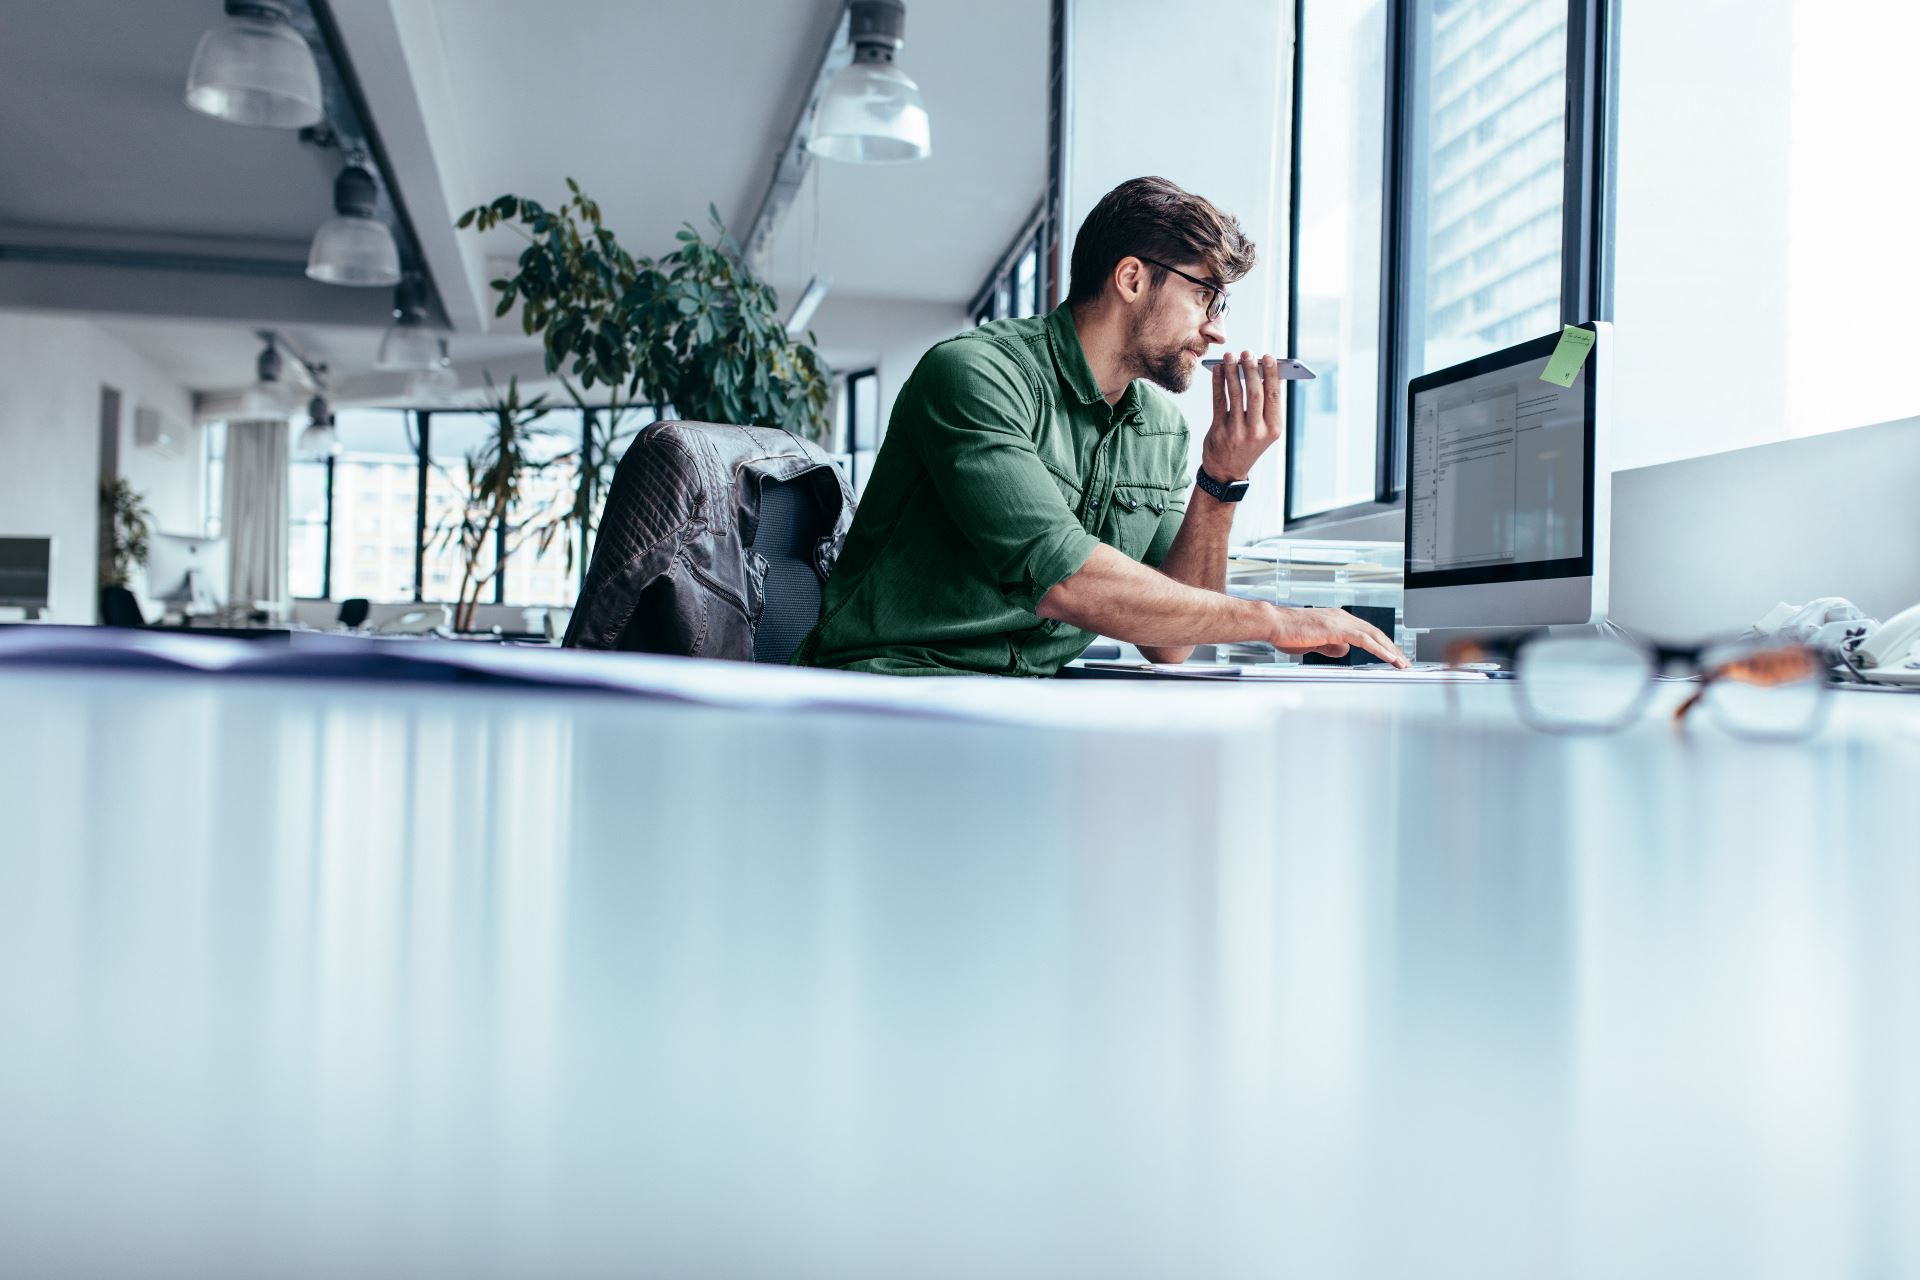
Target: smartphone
{"type": "Point", "coordinates": [1288, 368]}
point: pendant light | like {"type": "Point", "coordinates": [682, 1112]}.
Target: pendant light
{"type": "Point", "coordinates": [435, 384]}
{"type": "Point", "coordinates": [408, 343]}
{"type": "Point", "coordinates": [271, 395]}
{"type": "Point", "coordinates": [872, 112]}
{"type": "Point", "coordinates": [254, 68]}
{"type": "Point", "coordinates": [354, 247]}
{"type": "Point", "coordinates": [319, 440]}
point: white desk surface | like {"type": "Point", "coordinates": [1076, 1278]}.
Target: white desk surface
{"type": "Point", "coordinates": [363, 979]}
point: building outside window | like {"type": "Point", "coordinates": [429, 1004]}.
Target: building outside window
{"type": "Point", "coordinates": [1482, 160]}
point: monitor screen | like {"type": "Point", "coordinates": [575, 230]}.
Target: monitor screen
{"type": "Point", "coordinates": [1499, 474]}
{"type": "Point", "coordinates": [26, 572]}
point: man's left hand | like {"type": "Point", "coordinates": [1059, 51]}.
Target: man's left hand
{"type": "Point", "coordinates": [1246, 415]}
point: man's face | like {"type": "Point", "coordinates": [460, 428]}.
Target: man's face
{"type": "Point", "coordinates": [1169, 331]}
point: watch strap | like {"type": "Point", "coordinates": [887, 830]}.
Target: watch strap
{"type": "Point", "coordinates": [1220, 490]}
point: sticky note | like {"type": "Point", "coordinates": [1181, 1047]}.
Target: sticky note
{"type": "Point", "coordinates": [1564, 367]}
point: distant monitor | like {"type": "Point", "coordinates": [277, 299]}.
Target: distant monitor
{"type": "Point", "coordinates": [26, 574]}
{"type": "Point", "coordinates": [187, 573]}
{"type": "Point", "coordinates": [1508, 491]}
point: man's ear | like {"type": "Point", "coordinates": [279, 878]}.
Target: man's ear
{"type": "Point", "coordinates": [1130, 278]}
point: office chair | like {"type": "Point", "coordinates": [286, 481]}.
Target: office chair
{"type": "Point", "coordinates": [353, 612]}
{"type": "Point", "coordinates": [716, 542]}
{"type": "Point", "coordinates": [119, 608]}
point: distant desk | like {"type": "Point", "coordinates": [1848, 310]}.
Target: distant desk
{"type": "Point", "coordinates": [338, 978]}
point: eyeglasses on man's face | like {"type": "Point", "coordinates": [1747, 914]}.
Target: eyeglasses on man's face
{"type": "Point", "coordinates": [1597, 684]}
{"type": "Point", "coordinates": [1216, 296]}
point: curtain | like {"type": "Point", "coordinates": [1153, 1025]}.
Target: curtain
{"type": "Point", "coordinates": [254, 519]}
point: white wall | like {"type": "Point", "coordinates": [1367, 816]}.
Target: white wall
{"type": "Point", "coordinates": [51, 372]}
{"type": "Point", "coordinates": [884, 334]}
{"type": "Point", "coordinates": [1214, 119]}
{"type": "Point", "coordinates": [1704, 546]}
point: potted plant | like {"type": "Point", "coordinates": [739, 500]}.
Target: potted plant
{"type": "Point", "coordinates": [495, 501]}
{"type": "Point", "coordinates": [695, 329]}
{"type": "Point", "coordinates": [126, 525]}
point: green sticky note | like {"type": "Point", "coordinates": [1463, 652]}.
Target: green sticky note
{"type": "Point", "coordinates": [1568, 356]}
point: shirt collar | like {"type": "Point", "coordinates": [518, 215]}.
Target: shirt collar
{"type": "Point", "coordinates": [1069, 360]}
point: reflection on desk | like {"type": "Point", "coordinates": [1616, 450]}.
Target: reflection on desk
{"type": "Point", "coordinates": [322, 979]}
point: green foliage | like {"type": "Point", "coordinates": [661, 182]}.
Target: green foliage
{"type": "Point", "coordinates": [495, 481]}
{"type": "Point", "coordinates": [695, 329]}
{"type": "Point", "coordinates": [129, 524]}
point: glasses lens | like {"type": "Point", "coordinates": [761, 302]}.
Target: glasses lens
{"type": "Point", "coordinates": [1582, 683]}
{"type": "Point", "coordinates": [1769, 693]}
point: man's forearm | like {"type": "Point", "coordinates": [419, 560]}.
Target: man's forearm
{"type": "Point", "coordinates": [1198, 556]}
{"type": "Point", "coordinates": [1117, 596]}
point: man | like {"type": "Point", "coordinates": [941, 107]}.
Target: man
{"type": "Point", "coordinates": [1031, 492]}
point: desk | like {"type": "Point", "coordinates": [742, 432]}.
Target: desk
{"type": "Point", "coordinates": [328, 978]}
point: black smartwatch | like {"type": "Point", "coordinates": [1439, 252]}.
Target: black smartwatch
{"type": "Point", "coordinates": [1223, 490]}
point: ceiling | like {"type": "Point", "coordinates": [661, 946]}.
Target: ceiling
{"type": "Point", "coordinates": [657, 108]}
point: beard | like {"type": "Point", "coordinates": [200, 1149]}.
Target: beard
{"type": "Point", "coordinates": [1157, 357]}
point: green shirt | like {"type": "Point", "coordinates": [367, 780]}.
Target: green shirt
{"type": "Point", "coordinates": [1001, 468]}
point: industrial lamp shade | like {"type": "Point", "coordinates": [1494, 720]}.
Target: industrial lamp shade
{"type": "Point", "coordinates": [872, 112]}
{"type": "Point", "coordinates": [319, 439]}
{"type": "Point", "coordinates": [408, 343]}
{"type": "Point", "coordinates": [256, 69]}
{"type": "Point", "coordinates": [354, 248]}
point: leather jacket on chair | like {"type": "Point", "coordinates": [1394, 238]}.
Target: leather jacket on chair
{"type": "Point", "coordinates": [673, 570]}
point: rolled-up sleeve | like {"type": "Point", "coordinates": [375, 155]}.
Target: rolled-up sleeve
{"type": "Point", "coordinates": [973, 420]}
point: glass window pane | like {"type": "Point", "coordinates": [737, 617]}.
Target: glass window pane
{"type": "Point", "coordinates": [214, 498]}
{"type": "Point", "coordinates": [375, 505]}
{"type": "Point", "coordinates": [455, 554]}
{"type": "Point", "coordinates": [1026, 278]}
{"type": "Point", "coordinates": [1487, 149]}
{"type": "Point", "coordinates": [307, 528]}
{"type": "Point", "coordinates": [1766, 194]}
{"type": "Point", "coordinates": [542, 556]}
{"type": "Point", "coordinates": [864, 391]}
{"type": "Point", "coordinates": [1342, 95]}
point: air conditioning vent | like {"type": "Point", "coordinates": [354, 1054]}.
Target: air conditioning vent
{"type": "Point", "coordinates": [156, 431]}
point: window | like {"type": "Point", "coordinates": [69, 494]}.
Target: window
{"type": "Point", "coordinates": [375, 506]}
{"type": "Point", "coordinates": [1018, 286]}
{"type": "Point", "coordinates": [309, 481]}
{"type": "Point", "coordinates": [214, 495]}
{"type": "Point", "coordinates": [1765, 208]}
{"type": "Point", "coordinates": [860, 409]}
{"type": "Point", "coordinates": [358, 526]}
{"type": "Point", "coordinates": [1433, 220]}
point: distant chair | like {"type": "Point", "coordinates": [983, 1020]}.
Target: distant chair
{"type": "Point", "coordinates": [119, 608]}
{"type": "Point", "coordinates": [353, 612]}
{"type": "Point", "coordinates": [716, 542]}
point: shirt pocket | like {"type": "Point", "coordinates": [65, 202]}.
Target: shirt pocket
{"type": "Point", "coordinates": [1133, 518]}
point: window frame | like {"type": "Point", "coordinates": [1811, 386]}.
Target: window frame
{"type": "Point", "coordinates": [420, 422]}
{"type": "Point", "coordinates": [1586, 270]}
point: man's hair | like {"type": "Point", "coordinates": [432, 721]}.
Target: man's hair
{"type": "Point", "coordinates": [1154, 218]}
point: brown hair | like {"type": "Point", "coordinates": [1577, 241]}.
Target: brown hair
{"type": "Point", "coordinates": [1154, 218]}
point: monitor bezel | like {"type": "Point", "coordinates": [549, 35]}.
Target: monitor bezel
{"type": "Point", "coordinates": [1580, 566]}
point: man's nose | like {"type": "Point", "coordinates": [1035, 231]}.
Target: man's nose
{"type": "Point", "coordinates": [1214, 332]}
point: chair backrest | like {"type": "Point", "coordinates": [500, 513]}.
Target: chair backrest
{"type": "Point", "coordinates": [714, 543]}
{"type": "Point", "coordinates": [119, 608]}
{"type": "Point", "coordinates": [791, 522]}
{"type": "Point", "coordinates": [353, 611]}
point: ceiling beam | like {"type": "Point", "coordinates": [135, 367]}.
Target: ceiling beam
{"type": "Point", "coordinates": [406, 96]}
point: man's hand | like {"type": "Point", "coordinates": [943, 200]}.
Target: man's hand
{"type": "Point", "coordinates": [1246, 415]}
{"type": "Point", "coordinates": [1331, 632]}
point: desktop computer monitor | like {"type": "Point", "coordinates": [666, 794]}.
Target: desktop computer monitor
{"type": "Point", "coordinates": [26, 574]}
{"type": "Point", "coordinates": [1507, 491]}
{"type": "Point", "coordinates": [186, 572]}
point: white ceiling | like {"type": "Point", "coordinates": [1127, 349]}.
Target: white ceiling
{"type": "Point", "coordinates": [657, 107]}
